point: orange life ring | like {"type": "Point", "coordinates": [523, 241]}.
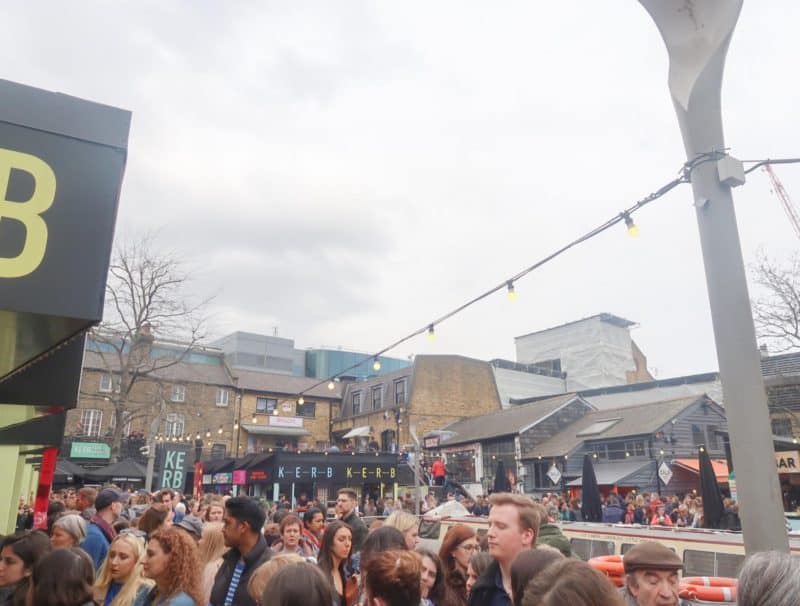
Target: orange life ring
{"type": "Point", "coordinates": [611, 565]}
{"type": "Point", "coordinates": [710, 589]}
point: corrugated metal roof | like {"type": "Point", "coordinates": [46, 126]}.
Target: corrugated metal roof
{"type": "Point", "coordinates": [610, 474]}
{"type": "Point", "coordinates": [785, 364]}
{"type": "Point", "coordinates": [503, 422]}
{"type": "Point", "coordinates": [636, 420]}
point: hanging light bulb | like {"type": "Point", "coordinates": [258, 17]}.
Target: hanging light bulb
{"type": "Point", "coordinates": [512, 293]}
{"type": "Point", "coordinates": [255, 418]}
{"type": "Point", "coordinates": [376, 365]}
{"type": "Point", "coordinates": [208, 433]}
{"type": "Point", "coordinates": [235, 425]}
{"type": "Point", "coordinates": [197, 437]}
{"type": "Point", "coordinates": [219, 431]}
{"type": "Point", "coordinates": [331, 385]}
{"type": "Point", "coordinates": [301, 400]}
{"type": "Point", "coordinates": [431, 333]}
{"type": "Point", "coordinates": [633, 229]}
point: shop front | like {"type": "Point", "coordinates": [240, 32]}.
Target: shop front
{"type": "Point", "coordinates": [788, 466]}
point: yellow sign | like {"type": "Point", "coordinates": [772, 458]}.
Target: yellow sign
{"type": "Point", "coordinates": [788, 462]}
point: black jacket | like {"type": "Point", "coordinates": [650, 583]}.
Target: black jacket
{"type": "Point", "coordinates": [485, 592]}
{"type": "Point", "coordinates": [358, 528]}
{"type": "Point", "coordinates": [257, 556]}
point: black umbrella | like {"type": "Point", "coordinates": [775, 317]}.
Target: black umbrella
{"type": "Point", "coordinates": [500, 479]}
{"type": "Point", "coordinates": [713, 509]}
{"type": "Point", "coordinates": [591, 509]}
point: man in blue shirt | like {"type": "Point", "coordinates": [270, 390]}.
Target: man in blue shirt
{"type": "Point", "coordinates": [100, 531]}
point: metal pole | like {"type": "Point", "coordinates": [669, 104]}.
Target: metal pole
{"type": "Point", "coordinates": [697, 36]}
{"type": "Point", "coordinates": [151, 453]}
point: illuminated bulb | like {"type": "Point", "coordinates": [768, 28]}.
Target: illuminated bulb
{"type": "Point", "coordinates": [431, 333]}
{"type": "Point", "coordinates": [633, 229]}
{"type": "Point", "coordinates": [236, 425]}
{"type": "Point", "coordinates": [275, 411]}
{"type": "Point", "coordinates": [197, 437]}
{"type": "Point", "coordinates": [512, 293]}
{"type": "Point", "coordinates": [301, 401]}
{"type": "Point", "coordinates": [220, 429]}
{"type": "Point", "coordinates": [331, 385]}
{"type": "Point", "coordinates": [255, 418]}
{"type": "Point", "coordinates": [702, 449]}
{"type": "Point", "coordinates": [661, 452]}
{"type": "Point", "coordinates": [208, 433]}
{"type": "Point", "coordinates": [627, 454]}
{"type": "Point", "coordinates": [376, 365]}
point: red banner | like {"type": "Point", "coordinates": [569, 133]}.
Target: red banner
{"type": "Point", "coordinates": [43, 491]}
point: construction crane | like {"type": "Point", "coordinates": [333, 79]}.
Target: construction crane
{"type": "Point", "coordinates": [788, 205]}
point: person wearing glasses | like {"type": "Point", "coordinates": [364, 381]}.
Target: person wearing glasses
{"type": "Point", "coordinates": [119, 580]}
{"type": "Point", "coordinates": [457, 548]}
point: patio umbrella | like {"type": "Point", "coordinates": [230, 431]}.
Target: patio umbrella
{"type": "Point", "coordinates": [591, 509]}
{"type": "Point", "coordinates": [713, 509]}
{"type": "Point", "coordinates": [500, 479]}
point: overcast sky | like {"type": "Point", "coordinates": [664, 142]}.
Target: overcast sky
{"type": "Point", "coordinates": [348, 171]}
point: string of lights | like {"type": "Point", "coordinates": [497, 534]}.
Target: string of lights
{"type": "Point", "coordinates": [685, 176]}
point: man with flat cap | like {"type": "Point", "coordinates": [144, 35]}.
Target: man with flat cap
{"type": "Point", "coordinates": [651, 576]}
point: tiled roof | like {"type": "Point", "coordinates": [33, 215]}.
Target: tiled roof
{"type": "Point", "coordinates": [285, 384]}
{"type": "Point", "coordinates": [785, 364]}
{"type": "Point", "coordinates": [634, 421]}
{"type": "Point", "coordinates": [182, 372]}
{"type": "Point", "coordinates": [365, 387]}
{"type": "Point", "coordinates": [503, 422]}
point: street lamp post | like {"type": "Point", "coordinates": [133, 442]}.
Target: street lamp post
{"type": "Point", "coordinates": [697, 35]}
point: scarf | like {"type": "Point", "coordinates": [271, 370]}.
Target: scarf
{"type": "Point", "coordinates": [105, 527]}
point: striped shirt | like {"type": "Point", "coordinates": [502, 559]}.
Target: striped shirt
{"type": "Point", "coordinates": [237, 574]}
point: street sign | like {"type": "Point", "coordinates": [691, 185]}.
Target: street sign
{"type": "Point", "coordinates": [554, 474]}
{"type": "Point", "coordinates": [665, 473]}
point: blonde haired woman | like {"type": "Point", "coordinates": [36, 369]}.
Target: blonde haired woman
{"type": "Point", "coordinates": [406, 523]}
{"type": "Point", "coordinates": [211, 548]}
{"type": "Point", "coordinates": [120, 581]}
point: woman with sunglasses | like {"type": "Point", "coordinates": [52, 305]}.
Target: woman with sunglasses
{"type": "Point", "coordinates": [457, 548]}
{"type": "Point", "coordinates": [120, 581]}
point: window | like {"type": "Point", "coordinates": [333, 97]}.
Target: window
{"type": "Point", "coordinates": [106, 384]}
{"type": "Point", "coordinates": [586, 548]}
{"type": "Point", "coordinates": [174, 425]}
{"type": "Point", "coordinates": [91, 421]}
{"type": "Point", "coordinates": [222, 397]}
{"type": "Point", "coordinates": [307, 409]}
{"type": "Point", "coordinates": [782, 427]}
{"type": "Point", "coordinates": [266, 406]}
{"type": "Point", "coordinates": [126, 424]}
{"type": "Point", "coordinates": [599, 427]}
{"type": "Point", "coordinates": [711, 564]}
{"type": "Point", "coordinates": [698, 435]}
{"type": "Point", "coordinates": [357, 403]}
{"type": "Point", "coordinates": [178, 393]}
{"type": "Point", "coordinates": [712, 437]}
{"type": "Point", "coordinates": [400, 391]}
{"type": "Point", "coordinates": [377, 397]}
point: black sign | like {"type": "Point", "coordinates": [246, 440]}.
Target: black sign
{"type": "Point", "coordinates": [174, 465]}
{"type": "Point", "coordinates": [367, 472]}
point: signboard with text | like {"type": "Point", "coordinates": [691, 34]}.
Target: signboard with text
{"type": "Point", "coordinates": [788, 462]}
{"type": "Point", "coordinates": [174, 465]}
{"type": "Point", "coordinates": [90, 450]}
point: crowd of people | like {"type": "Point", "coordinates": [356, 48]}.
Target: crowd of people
{"type": "Point", "coordinates": [112, 548]}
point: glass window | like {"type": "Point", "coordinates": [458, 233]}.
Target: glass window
{"type": "Point", "coordinates": [266, 406]}
{"type": "Point", "coordinates": [178, 393]}
{"type": "Point", "coordinates": [126, 426]}
{"type": "Point", "coordinates": [586, 548]}
{"type": "Point", "coordinates": [174, 426]}
{"type": "Point", "coordinates": [698, 435]}
{"type": "Point", "coordinates": [91, 422]}
{"type": "Point", "coordinates": [712, 438]}
{"type": "Point", "coordinates": [400, 391]}
{"type": "Point", "coordinates": [782, 427]}
{"type": "Point", "coordinates": [711, 564]}
{"type": "Point", "coordinates": [599, 427]}
{"type": "Point", "coordinates": [377, 397]}
{"type": "Point", "coordinates": [307, 409]}
{"type": "Point", "coordinates": [106, 383]}
{"type": "Point", "coordinates": [357, 403]}
{"type": "Point", "coordinates": [222, 397]}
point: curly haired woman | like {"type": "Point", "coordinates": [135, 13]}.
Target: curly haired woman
{"type": "Point", "coordinates": [171, 560]}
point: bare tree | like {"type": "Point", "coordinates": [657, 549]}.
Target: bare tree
{"type": "Point", "coordinates": [777, 311]}
{"type": "Point", "coordinates": [146, 299]}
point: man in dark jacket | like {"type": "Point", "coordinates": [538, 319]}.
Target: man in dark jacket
{"type": "Point", "coordinates": [346, 511]}
{"type": "Point", "coordinates": [549, 533]}
{"type": "Point", "coordinates": [513, 527]}
{"type": "Point", "coordinates": [242, 524]}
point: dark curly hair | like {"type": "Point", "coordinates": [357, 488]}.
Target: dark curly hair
{"type": "Point", "coordinates": [183, 569]}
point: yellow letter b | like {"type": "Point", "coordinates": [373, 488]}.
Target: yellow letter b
{"type": "Point", "coordinates": [27, 213]}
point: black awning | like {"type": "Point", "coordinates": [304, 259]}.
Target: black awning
{"type": "Point", "coordinates": [125, 471]}
{"type": "Point", "coordinates": [47, 429]}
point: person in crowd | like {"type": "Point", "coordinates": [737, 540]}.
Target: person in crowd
{"type": "Point", "coordinates": [406, 523]}
{"type": "Point", "coordinates": [392, 578]}
{"type": "Point", "coordinates": [19, 553]}
{"type": "Point", "coordinates": [68, 531]}
{"type": "Point", "coordinates": [156, 517]}
{"type": "Point", "coordinates": [334, 560]}
{"type": "Point", "coordinates": [640, 511]}
{"type": "Point", "coordinates": [630, 514]}
{"type": "Point", "coordinates": [457, 548]}
{"type": "Point", "coordinates": [527, 565]}
{"type": "Point", "coordinates": [215, 511]}
{"type": "Point", "coordinates": [261, 575]}
{"type": "Point", "coordinates": [570, 582]}
{"type": "Point", "coordinates": [301, 584]}
{"type": "Point", "coordinates": [388, 506]}
{"type": "Point", "coordinates": [119, 580]}
{"type": "Point", "coordinates": [566, 514]}
{"type": "Point", "coordinates": [292, 540]}
{"type": "Point", "coordinates": [698, 520]}
{"type": "Point", "coordinates": [55, 509]}
{"type": "Point", "coordinates": [438, 471]}
{"type": "Point", "coordinates": [769, 578]}
{"type": "Point", "coordinates": [513, 527]}
{"type": "Point", "coordinates": [244, 518]}
{"type": "Point", "coordinates": [346, 500]}
{"type": "Point", "coordinates": [70, 499]}
{"type": "Point", "coordinates": [612, 513]}
{"type": "Point", "coordinates": [166, 497]}
{"type": "Point", "coordinates": [549, 532]}
{"type": "Point", "coordinates": [478, 564]}
{"type": "Point", "coordinates": [381, 539]}
{"type": "Point", "coordinates": [680, 517]}
{"type": "Point", "coordinates": [661, 518]}
{"type": "Point", "coordinates": [433, 589]}
{"type": "Point", "coordinates": [313, 527]}
{"type": "Point", "coordinates": [62, 577]}
{"type": "Point", "coordinates": [100, 531]}
{"type": "Point", "coordinates": [192, 525]}
{"type": "Point", "coordinates": [84, 502]}
{"type": "Point", "coordinates": [370, 509]}
{"type": "Point", "coordinates": [651, 576]}
{"type": "Point", "coordinates": [179, 512]}
{"type": "Point", "coordinates": [171, 561]}
{"type": "Point", "coordinates": [211, 549]}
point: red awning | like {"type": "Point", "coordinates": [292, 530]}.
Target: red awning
{"type": "Point", "coordinates": [720, 467]}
